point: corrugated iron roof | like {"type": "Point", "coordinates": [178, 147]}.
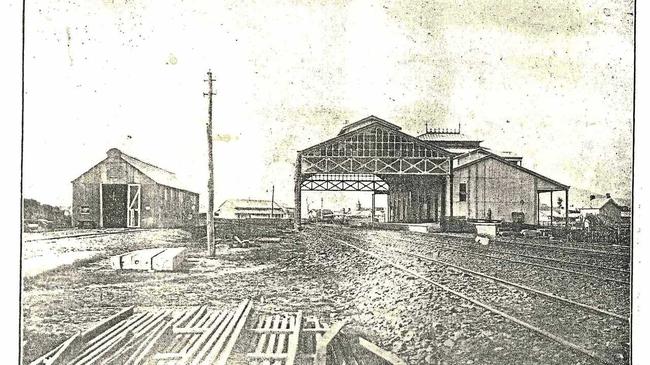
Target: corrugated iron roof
{"type": "Point", "coordinates": [157, 174]}
{"type": "Point", "coordinates": [367, 121]}
{"type": "Point", "coordinates": [451, 137]}
{"type": "Point", "coordinates": [259, 204]}
{"type": "Point", "coordinates": [597, 203]}
{"type": "Point", "coordinates": [521, 168]}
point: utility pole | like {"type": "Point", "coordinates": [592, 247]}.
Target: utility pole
{"type": "Point", "coordinates": [272, 200]}
{"type": "Point", "coordinates": [210, 214]}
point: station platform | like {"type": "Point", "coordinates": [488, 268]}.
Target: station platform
{"type": "Point", "coordinates": [412, 227]}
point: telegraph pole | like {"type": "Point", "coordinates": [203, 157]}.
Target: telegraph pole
{"type": "Point", "coordinates": [210, 214]}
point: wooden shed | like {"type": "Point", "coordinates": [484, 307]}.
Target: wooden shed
{"type": "Point", "coordinates": [124, 192]}
{"type": "Point", "coordinates": [431, 178]}
{"type": "Point", "coordinates": [493, 187]}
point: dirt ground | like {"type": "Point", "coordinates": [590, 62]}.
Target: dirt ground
{"type": "Point", "coordinates": [301, 272]}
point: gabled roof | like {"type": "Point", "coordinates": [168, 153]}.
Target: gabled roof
{"type": "Point", "coordinates": [520, 168]}
{"type": "Point", "coordinates": [258, 204]}
{"type": "Point", "coordinates": [502, 154]}
{"type": "Point", "coordinates": [370, 123]}
{"type": "Point", "coordinates": [447, 137]}
{"type": "Point", "coordinates": [367, 121]}
{"type": "Point", "coordinates": [598, 203]}
{"type": "Point", "coordinates": [155, 173]}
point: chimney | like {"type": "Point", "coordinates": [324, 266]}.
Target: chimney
{"type": "Point", "coordinates": [592, 197]}
{"type": "Point", "coordinates": [607, 195]}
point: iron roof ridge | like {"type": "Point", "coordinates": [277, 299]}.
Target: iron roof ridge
{"type": "Point", "coordinates": [417, 140]}
{"type": "Point", "coordinates": [502, 160]}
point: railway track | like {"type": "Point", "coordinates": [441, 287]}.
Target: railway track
{"type": "Point", "coordinates": [553, 268]}
{"type": "Point", "coordinates": [603, 291]}
{"type": "Point", "coordinates": [506, 256]}
{"type": "Point", "coordinates": [593, 249]}
{"type": "Point", "coordinates": [586, 251]}
{"type": "Point", "coordinates": [618, 264]}
{"type": "Point", "coordinates": [85, 235]}
{"type": "Point", "coordinates": [593, 268]}
{"type": "Point", "coordinates": [608, 248]}
{"type": "Point", "coordinates": [534, 310]}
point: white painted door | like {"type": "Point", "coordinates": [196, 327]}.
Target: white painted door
{"type": "Point", "coordinates": [133, 209]}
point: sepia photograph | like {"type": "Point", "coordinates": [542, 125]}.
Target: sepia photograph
{"type": "Point", "coordinates": [327, 182]}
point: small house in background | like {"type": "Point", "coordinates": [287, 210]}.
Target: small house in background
{"type": "Point", "coordinates": [251, 209]}
{"type": "Point", "coordinates": [123, 191]}
{"type": "Point", "coordinates": [603, 206]}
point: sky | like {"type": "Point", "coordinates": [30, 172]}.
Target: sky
{"type": "Point", "coordinates": [549, 80]}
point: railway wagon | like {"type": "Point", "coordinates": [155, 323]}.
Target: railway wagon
{"type": "Point", "coordinates": [122, 191]}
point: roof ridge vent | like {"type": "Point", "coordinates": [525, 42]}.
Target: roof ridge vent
{"type": "Point", "coordinates": [113, 152]}
{"type": "Point", "coordinates": [436, 130]}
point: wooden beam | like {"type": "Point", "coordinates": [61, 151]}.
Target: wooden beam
{"type": "Point", "coordinates": [108, 323]}
{"type": "Point", "coordinates": [72, 346]}
{"type": "Point", "coordinates": [210, 214]}
{"type": "Point", "coordinates": [388, 356]}
{"type": "Point", "coordinates": [451, 188]}
{"type": "Point", "coordinates": [225, 354]}
{"type": "Point", "coordinates": [372, 211]}
{"type": "Point", "coordinates": [321, 344]}
{"type": "Point", "coordinates": [297, 191]}
{"type": "Point", "coordinates": [537, 212]}
{"type": "Point", "coordinates": [566, 209]}
{"type": "Point", "coordinates": [105, 341]}
{"type": "Point", "coordinates": [114, 345]}
{"type": "Point", "coordinates": [64, 352]}
{"type": "Point", "coordinates": [101, 205]}
{"type": "Point", "coordinates": [551, 209]}
{"type": "Point", "coordinates": [294, 339]}
{"type": "Point", "coordinates": [142, 337]}
{"type": "Point", "coordinates": [165, 333]}
{"type": "Point", "coordinates": [201, 345]}
{"type": "Point", "coordinates": [213, 348]}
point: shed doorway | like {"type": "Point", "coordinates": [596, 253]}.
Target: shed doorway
{"type": "Point", "coordinates": [133, 212]}
{"type": "Point", "coordinates": [114, 205]}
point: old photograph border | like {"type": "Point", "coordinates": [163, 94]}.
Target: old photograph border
{"type": "Point", "coordinates": [12, 147]}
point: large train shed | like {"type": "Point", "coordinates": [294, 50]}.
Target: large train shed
{"type": "Point", "coordinates": [428, 179]}
{"type": "Point", "coordinates": [122, 191]}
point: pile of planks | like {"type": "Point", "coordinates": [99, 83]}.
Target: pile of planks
{"type": "Point", "coordinates": [203, 335]}
{"type": "Point", "coordinates": [277, 339]}
{"type": "Point", "coordinates": [160, 336]}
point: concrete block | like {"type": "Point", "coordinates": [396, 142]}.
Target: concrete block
{"type": "Point", "coordinates": [161, 259]}
{"type": "Point", "coordinates": [169, 260]}
{"type": "Point", "coordinates": [418, 228]}
{"type": "Point", "coordinates": [486, 229]}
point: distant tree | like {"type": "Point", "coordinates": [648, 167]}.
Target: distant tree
{"type": "Point", "coordinates": [560, 202]}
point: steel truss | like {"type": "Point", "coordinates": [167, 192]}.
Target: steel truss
{"type": "Point", "coordinates": [375, 150]}
{"type": "Point", "coordinates": [345, 182]}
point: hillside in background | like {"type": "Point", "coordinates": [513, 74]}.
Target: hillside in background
{"type": "Point", "coordinates": [56, 217]}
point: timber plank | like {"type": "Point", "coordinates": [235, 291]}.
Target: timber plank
{"type": "Point", "coordinates": [215, 350]}
{"type": "Point", "coordinates": [225, 354]}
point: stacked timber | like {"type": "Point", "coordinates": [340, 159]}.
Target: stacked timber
{"type": "Point", "coordinates": [162, 336]}
{"type": "Point", "coordinates": [203, 335]}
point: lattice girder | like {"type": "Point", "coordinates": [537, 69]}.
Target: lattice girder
{"type": "Point", "coordinates": [344, 182]}
{"type": "Point", "coordinates": [375, 150]}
